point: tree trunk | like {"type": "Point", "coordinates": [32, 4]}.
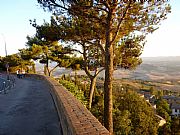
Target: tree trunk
{"type": "Point", "coordinates": [47, 66]}
{"type": "Point", "coordinates": [108, 104]}
{"type": "Point", "coordinates": [33, 68]}
{"type": "Point", "coordinates": [52, 70]}
{"type": "Point", "coordinates": [49, 73]}
{"type": "Point", "coordinates": [45, 70]}
{"type": "Point", "coordinates": [75, 77]}
{"type": "Point", "coordinates": [91, 92]}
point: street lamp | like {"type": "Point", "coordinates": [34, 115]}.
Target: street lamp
{"type": "Point", "coordinates": [7, 65]}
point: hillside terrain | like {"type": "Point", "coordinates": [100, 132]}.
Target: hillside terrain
{"type": "Point", "coordinates": [162, 72]}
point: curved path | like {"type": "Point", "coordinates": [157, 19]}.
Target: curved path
{"type": "Point", "coordinates": [28, 109]}
{"type": "Point", "coordinates": [1, 83]}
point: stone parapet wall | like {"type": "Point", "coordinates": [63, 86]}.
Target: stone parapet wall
{"type": "Point", "coordinates": [75, 119]}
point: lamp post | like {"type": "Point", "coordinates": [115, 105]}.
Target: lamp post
{"type": "Point", "coordinates": [7, 65]}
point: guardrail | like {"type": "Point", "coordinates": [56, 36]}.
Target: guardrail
{"type": "Point", "coordinates": [75, 119]}
{"type": "Point", "coordinates": [7, 84]}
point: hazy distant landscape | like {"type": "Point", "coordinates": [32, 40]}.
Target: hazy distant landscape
{"type": "Point", "coordinates": [163, 72]}
{"type": "Point", "coordinates": [155, 68]}
{"type": "Point", "coordinates": [152, 68]}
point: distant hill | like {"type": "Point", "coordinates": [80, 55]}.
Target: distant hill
{"type": "Point", "coordinates": [162, 58]}
{"type": "Point", "coordinates": [152, 68]}
{"type": "Point", "coordinates": [163, 68]}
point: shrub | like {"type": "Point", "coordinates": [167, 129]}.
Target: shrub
{"type": "Point", "coordinates": [70, 86]}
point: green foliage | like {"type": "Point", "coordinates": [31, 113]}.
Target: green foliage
{"type": "Point", "coordinates": [79, 94]}
{"type": "Point", "coordinates": [14, 61]}
{"type": "Point", "coordinates": [45, 46]}
{"type": "Point", "coordinates": [165, 129]}
{"type": "Point", "coordinates": [97, 105]}
{"type": "Point", "coordinates": [47, 31]}
{"type": "Point", "coordinates": [2, 67]}
{"type": "Point", "coordinates": [46, 50]}
{"type": "Point", "coordinates": [171, 127]}
{"type": "Point", "coordinates": [76, 63]}
{"type": "Point", "coordinates": [175, 126]}
{"type": "Point", "coordinates": [122, 122]}
{"type": "Point", "coordinates": [132, 115]}
{"type": "Point", "coordinates": [139, 117]}
{"type": "Point", "coordinates": [128, 51]}
{"type": "Point", "coordinates": [152, 90]}
{"type": "Point", "coordinates": [163, 109]}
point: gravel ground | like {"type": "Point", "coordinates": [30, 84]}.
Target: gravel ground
{"type": "Point", "coordinates": [28, 109]}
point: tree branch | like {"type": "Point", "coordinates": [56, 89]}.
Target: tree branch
{"type": "Point", "coordinates": [54, 68]}
{"type": "Point", "coordinates": [100, 70]}
{"type": "Point", "coordinates": [85, 62]}
{"type": "Point", "coordinates": [120, 21]}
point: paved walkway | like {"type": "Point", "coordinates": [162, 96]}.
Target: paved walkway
{"type": "Point", "coordinates": [28, 109]}
{"type": "Point", "coordinates": [1, 84]}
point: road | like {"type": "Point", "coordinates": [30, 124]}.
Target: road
{"type": "Point", "coordinates": [28, 109]}
{"type": "Point", "coordinates": [1, 84]}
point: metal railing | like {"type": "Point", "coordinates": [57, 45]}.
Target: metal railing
{"type": "Point", "coordinates": [6, 85]}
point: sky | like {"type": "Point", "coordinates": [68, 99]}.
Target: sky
{"type": "Point", "coordinates": [15, 26]}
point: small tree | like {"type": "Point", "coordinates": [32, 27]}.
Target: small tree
{"type": "Point", "coordinates": [45, 47]}
{"type": "Point", "coordinates": [15, 61]}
